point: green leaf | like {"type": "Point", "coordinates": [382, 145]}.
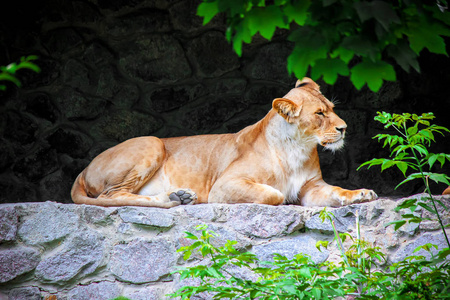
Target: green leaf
{"type": "Point", "coordinates": [403, 55]}
{"type": "Point", "coordinates": [412, 130]}
{"type": "Point", "coordinates": [320, 244]}
{"type": "Point", "coordinates": [190, 236]}
{"type": "Point", "coordinates": [345, 54]}
{"type": "Point", "coordinates": [431, 210]}
{"type": "Point", "coordinates": [397, 224]}
{"type": "Point", "coordinates": [301, 58]}
{"type": "Point", "coordinates": [427, 247]}
{"type": "Point", "coordinates": [406, 204]}
{"type": "Point", "coordinates": [329, 69]}
{"type": "Point", "coordinates": [208, 10]}
{"type": "Point", "coordinates": [242, 35]}
{"type": "Point", "coordinates": [29, 65]}
{"type": "Point", "coordinates": [409, 178]}
{"type": "Point", "coordinates": [381, 11]}
{"type": "Point", "coordinates": [265, 20]}
{"type": "Point", "coordinates": [427, 36]}
{"type": "Point", "coordinates": [403, 167]}
{"type": "Point", "coordinates": [305, 272]}
{"type": "Point", "coordinates": [9, 77]}
{"type": "Point", "coordinates": [297, 11]}
{"type": "Point", "coordinates": [371, 73]}
{"type": "Point", "coordinates": [440, 178]}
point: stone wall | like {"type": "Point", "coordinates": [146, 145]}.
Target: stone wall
{"type": "Point", "coordinates": [114, 69]}
{"type": "Point", "coordinates": [80, 252]}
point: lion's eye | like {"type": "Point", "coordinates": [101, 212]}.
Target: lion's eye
{"type": "Point", "coordinates": [320, 113]}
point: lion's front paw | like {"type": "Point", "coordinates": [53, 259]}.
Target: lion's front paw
{"type": "Point", "coordinates": [363, 195]}
{"type": "Point", "coordinates": [183, 196]}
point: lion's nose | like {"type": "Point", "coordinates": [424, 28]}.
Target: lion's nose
{"type": "Point", "coordinates": [341, 129]}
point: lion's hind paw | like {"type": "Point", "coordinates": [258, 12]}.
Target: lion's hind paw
{"type": "Point", "coordinates": [365, 196]}
{"type": "Point", "coordinates": [183, 196]}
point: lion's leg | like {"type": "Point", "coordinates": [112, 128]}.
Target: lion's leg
{"type": "Point", "coordinates": [319, 193]}
{"type": "Point", "coordinates": [244, 191]}
{"type": "Point", "coordinates": [162, 200]}
{"type": "Point", "coordinates": [116, 176]}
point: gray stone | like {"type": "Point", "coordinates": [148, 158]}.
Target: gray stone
{"type": "Point", "coordinates": [75, 105]}
{"type": "Point", "coordinates": [8, 223]}
{"type": "Point", "coordinates": [62, 40]}
{"type": "Point", "coordinates": [154, 58]}
{"type": "Point", "coordinates": [389, 93]}
{"type": "Point", "coordinates": [81, 255]}
{"type": "Point", "coordinates": [432, 238]}
{"type": "Point", "coordinates": [98, 214]}
{"type": "Point", "coordinates": [150, 216]}
{"type": "Point", "coordinates": [224, 234]}
{"type": "Point", "coordinates": [145, 293]}
{"type": "Point", "coordinates": [211, 55]}
{"type": "Point", "coordinates": [142, 261]}
{"type": "Point", "coordinates": [184, 18]}
{"type": "Point", "coordinates": [305, 244]}
{"type": "Point", "coordinates": [231, 86]}
{"type": "Point", "coordinates": [143, 21]}
{"type": "Point", "coordinates": [75, 74]}
{"type": "Point", "coordinates": [53, 222]}
{"type": "Point", "coordinates": [270, 63]}
{"type": "Point", "coordinates": [25, 293]}
{"type": "Point", "coordinates": [202, 212]}
{"type": "Point", "coordinates": [122, 125]}
{"type": "Point", "coordinates": [38, 164]}
{"type": "Point", "coordinates": [264, 220]}
{"type": "Point", "coordinates": [265, 93]}
{"type": "Point", "coordinates": [97, 54]}
{"type": "Point", "coordinates": [344, 220]}
{"type": "Point", "coordinates": [71, 142]}
{"type": "Point", "coordinates": [169, 98]}
{"type": "Point", "coordinates": [213, 113]}
{"type": "Point", "coordinates": [103, 290]}
{"type": "Point", "coordinates": [17, 261]}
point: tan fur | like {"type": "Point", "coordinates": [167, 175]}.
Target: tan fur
{"type": "Point", "coordinates": [274, 162]}
{"type": "Point", "coordinates": [446, 191]}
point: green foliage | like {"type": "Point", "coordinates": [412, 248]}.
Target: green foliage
{"type": "Point", "coordinates": [8, 73]}
{"type": "Point", "coordinates": [360, 274]}
{"type": "Point", "coordinates": [328, 33]}
{"type": "Point", "coordinates": [121, 298]}
{"type": "Point", "coordinates": [409, 150]}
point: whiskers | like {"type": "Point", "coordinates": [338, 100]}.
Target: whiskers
{"type": "Point", "coordinates": [335, 101]}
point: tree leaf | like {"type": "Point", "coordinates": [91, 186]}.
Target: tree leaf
{"type": "Point", "coordinates": [403, 55]}
{"type": "Point", "coordinates": [297, 11]}
{"type": "Point", "coordinates": [397, 224]}
{"type": "Point", "coordinates": [381, 11]}
{"type": "Point", "coordinates": [208, 10]}
{"type": "Point", "coordinates": [427, 36]}
{"type": "Point", "coordinates": [372, 73]}
{"type": "Point", "coordinates": [440, 178]}
{"type": "Point", "coordinates": [265, 20]}
{"type": "Point", "coordinates": [329, 69]}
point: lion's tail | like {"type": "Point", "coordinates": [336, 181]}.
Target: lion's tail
{"type": "Point", "coordinates": [78, 192]}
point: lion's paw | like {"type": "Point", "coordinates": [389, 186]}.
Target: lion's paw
{"type": "Point", "coordinates": [364, 195]}
{"type": "Point", "coordinates": [183, 196]}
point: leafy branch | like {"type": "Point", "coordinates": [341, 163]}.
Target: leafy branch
{"type": "Point", "coordinates": [409, 151]}
{"type": "Point", "coordinates": [359, 39]}
{"type": "Point", "coordinates": [8, 73]}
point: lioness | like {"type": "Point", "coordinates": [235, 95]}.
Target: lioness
{"type": "Point", "coordinates": [274, 162]}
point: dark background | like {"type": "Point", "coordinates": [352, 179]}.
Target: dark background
{"type": "Point", "coordinates": [116, 69]}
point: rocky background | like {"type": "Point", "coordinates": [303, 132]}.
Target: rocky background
{"type": "Point", "coordinates": [116, 69]}
{"type": "Point", "coordinates": [80, 252]}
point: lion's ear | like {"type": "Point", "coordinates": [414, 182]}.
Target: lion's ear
{"type": "Point", "coordinates": [286, 108]}
{"type": "Point", "coordinates": [307, 81]}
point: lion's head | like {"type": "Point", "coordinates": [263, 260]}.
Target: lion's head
{"type": "Point", "coordinates": [312, 113]}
